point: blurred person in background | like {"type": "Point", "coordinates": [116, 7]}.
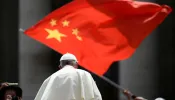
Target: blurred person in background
{"type": "Point", "coordinates": [10, 92]}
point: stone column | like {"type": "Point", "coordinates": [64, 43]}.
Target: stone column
{"type": "Point", "coordinates": [34, 62]}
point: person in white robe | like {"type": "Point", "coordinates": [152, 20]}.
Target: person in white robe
{"type": "Point", "coordinates": [69, 83]}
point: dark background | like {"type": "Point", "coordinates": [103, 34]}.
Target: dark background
{"type": "Point", "coordinates": [148, 73]}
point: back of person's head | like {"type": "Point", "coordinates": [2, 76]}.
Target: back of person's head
{"type": "Point", "coordinates": [16, 89]}
{"type": "Point", "coordinates": [68, 59]}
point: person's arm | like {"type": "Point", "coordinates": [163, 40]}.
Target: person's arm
{"type": "Point", "coordinates": [42, 89]}
{"type": "Point", "coordinates": [97, 93]}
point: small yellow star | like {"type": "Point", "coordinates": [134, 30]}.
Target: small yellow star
{"type": "Point", "coordinates": [53, 22]}
{"type": "Point", "coordinates": [65, 23]}
{"type": "Point", "coordinates": [75, 31]}
{"type": "Point", "coordinates": [79, 38]}
{"type": "Point", "coordinates": [54, 34]}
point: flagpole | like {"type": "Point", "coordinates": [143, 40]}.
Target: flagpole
{"type": "Point", "coordinates": [115, 85]}
{"type": "Point", "coordinates": [112, 83]}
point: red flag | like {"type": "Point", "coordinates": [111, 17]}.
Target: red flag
{"type": "Point", "coordinates": [99, 33]}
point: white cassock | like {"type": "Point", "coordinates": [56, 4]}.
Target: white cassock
{"type": "Point", "coordinates": [69, 84]}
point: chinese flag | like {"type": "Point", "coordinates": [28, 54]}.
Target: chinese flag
{"type": "Point", "coordinates": [99, 33]}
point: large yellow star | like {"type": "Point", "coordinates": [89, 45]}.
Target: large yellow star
{"type": "Point", "coordinates": [54, 34]}
{"type": "Point", "coordinates": [53, 22]}
{"type": "Point", "coordinates": [75, 31]}
{"type": "Point", "coordinates": [65, 23]}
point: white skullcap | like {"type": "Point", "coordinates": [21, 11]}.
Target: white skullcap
{"type": "Point", "coordinates": [159, 98]}
{"type": "Point", "coordinates": [68, 56]}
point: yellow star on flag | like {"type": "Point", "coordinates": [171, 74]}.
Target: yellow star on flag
{"type": "Point", "coordinates": [79, 38]}
{"type": "Point", "coordinates": [75, 31]}
{"type": "Point", "coordinates": [53, 22]}
{"type": "Point", "coordinates": [54, 34]}
{"type": "Point", "coordinates": [65, 23]}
